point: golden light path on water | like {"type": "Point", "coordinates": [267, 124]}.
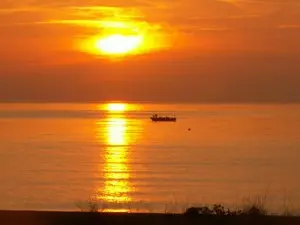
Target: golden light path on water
{"type": "Point", "coordinates": [118, 138]}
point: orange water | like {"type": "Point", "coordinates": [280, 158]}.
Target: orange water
{"type": "Point", "coordinates": [54, 155]}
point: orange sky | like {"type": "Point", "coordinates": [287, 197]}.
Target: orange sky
{"type": "Point", "coordinates": [197, 50]}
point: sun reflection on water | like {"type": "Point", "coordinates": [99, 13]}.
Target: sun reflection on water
{"type": "Point", "coordinates": [116, 159]}
{"type": "Point", "coordinates": [118, 138]}
{"type": "Point", "coordinates": [116, 131]}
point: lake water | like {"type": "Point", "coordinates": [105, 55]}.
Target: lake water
{"type": "Point", "coordinates": [54, 155]}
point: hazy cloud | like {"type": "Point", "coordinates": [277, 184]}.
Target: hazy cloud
{"type": "Point", "coordinates": [37, 52]}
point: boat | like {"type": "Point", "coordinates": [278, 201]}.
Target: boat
{"type": "Point", "coordinates": [156, 118]}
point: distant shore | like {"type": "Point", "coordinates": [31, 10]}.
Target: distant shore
{"type": "Point", "coordinates": [10, 217]}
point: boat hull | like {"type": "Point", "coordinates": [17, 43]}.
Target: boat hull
{"type": "Point", "coordinates": [163, 119]}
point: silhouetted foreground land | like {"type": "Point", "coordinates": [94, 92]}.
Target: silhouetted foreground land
{"type": "Point", "coordinates": [86, 218]}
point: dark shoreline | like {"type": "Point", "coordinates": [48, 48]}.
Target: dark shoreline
{"type": "Point", "coordinates": [11, 217]}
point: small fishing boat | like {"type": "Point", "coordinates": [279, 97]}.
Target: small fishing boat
{"type": "Point", "coordinates": [156, 118]}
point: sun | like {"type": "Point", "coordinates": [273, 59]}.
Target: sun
{"type": "Point", "coordinates": [119, 39]}
{"type": "Point", "coordinates": [116, 107]}
{"type": "Point", "coordinates": [118, 44]}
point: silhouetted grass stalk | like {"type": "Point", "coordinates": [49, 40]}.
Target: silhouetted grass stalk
{"type": "Point", "coordinates": [256, 205]}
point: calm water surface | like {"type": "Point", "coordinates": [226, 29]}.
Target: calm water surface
{"type": "Point", "coordinates": [54, 155]}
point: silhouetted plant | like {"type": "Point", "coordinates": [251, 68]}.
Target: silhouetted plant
{"type": "Point", "coordinates": [287, 207]}
{"type": "Point", "coordinates": [255, 206]}
{"type": "Point", "coordinates": [216, 209]}
{"type": "Point", "coordinates": [254, 211]}
{"type": "Point", "coordinates": [91, 205]}
{"type": "Point", "coordinates": [192, 211]}
{"type": "Point", "coordinates": [219, 210]}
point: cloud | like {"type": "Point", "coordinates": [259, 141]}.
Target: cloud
{"type": "Point", "coordinates": [264, 7]}
{"type": "Point", "coordinates": [37, 35]}
{"type": "Point", "coordinates": [222, 23]}
{"type": "Point", "coordinates": [72, 3]}
{"type": "Point", "coordinates": [289, 26]}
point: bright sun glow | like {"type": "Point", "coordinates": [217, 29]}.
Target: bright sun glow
{"type": "Point", "coordinates": [118, 44]}
{"type": "Point", "coordinates": [119, 39]}
{"type": "Point", "coordinates": [116, 107]}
